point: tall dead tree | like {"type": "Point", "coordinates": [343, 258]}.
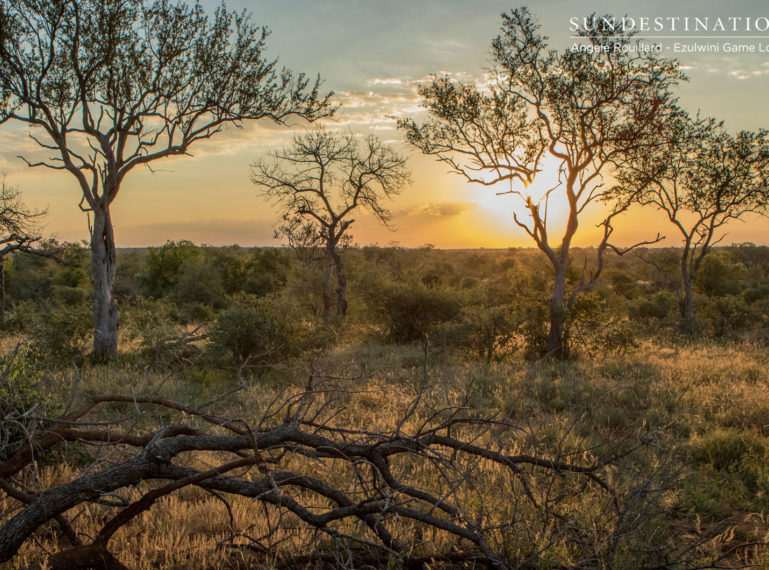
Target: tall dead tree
{"type": "Point", "coordinates": [106, 86]}
{"type": "Point", "coordinates": [579, 113]}
{"type": "Point", "coordinates": [318, 183]}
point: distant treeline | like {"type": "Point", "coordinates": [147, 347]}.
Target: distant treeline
{"type": "Point", "coordinates": [490, 303]}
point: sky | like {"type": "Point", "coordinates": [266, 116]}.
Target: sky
{"type": "Point", "coordinates": [373, 54]}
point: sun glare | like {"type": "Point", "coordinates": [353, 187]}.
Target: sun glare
{"type": "Point", "coordinates": [501, 201]}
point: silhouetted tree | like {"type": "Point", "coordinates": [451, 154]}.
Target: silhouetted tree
{"type": "Point", "coordinates": [701, 177]}
{"type": "Point", "coordinates": [18, 230]}
{"type": "Point", "coordinates": [578, 112]}
{"type": "Point", "coordinates": [318, 183]}
{"type": "Point", "coordinates": [107, 86]}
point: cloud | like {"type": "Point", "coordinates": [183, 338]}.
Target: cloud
{"type": "Point", "coordinates": [743, 74]}
{"type": "Point", "coordinates": [372, 109]}
{"type": "Point", "coordinates": [386, 81]}
{"type": "Point", "coordinates": [445, 47]}
{"type": "Point", "coordinates": [389, 97]}
{"type": "Point", "coordinates": [438, 209]}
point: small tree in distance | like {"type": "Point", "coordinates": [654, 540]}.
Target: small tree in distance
{"type": "Point", "coordinates": [106, 86]}
{"type": "Point", "coordinates": [583, 113]}
{"type": "Point", "coordinates": [19, 230]}
{"type": "Point", "coordinates": [701, 177]}
{"type": "Point", "coordinates": [318, 183]}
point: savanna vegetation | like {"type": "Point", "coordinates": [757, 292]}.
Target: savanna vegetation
{"type": "Point", "coordinates": [428, 424]}
{"type": "Point", "coordinates": [552, 407]}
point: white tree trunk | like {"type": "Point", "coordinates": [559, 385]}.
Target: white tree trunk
{"type": "Point", "coordinates": [105, 311]}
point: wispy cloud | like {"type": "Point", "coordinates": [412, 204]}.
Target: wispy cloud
{"type": "Point", "coordinates": [389, 97]}
{"type": "Point", "coordinates": [448, 46]}
{"type": "Point", "coordinates": [386, 81]}
{"type": "Point", "coordinates": [743, 74]}
{"type": "Point", "coordinates": [438, 209]}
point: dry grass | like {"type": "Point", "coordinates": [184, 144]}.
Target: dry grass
{"type": "Point", "coordinates": [672, 410]}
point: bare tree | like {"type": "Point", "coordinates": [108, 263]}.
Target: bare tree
{"type": "Point", "coordinates": [702, 178]}
{"type": "Point", "coordinates": [580, 113]}
{"type": "Point", "coordinates": [318, 183]}
{"type": "Point", "coordinates": [19, 230]}
{"type": "Point", "coordinates": [107, 86]}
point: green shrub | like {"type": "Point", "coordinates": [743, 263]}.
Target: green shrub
{"type": "Point", "coordinates": [718, 277]}
{"type": "Point", "coordinates": [731, 475]}
{"type": "Point", "coordinates": [657, 307]}
{"type": "Point", "coordinates": [724, 315]}
{"type": "Point", "coordinates": [411, 310]}
{"type": "Point", "coordinates": [197, 284]}
{"type": "Point", "coordinates": [153, 324]}
{"type": "Point", "coordinates": [487, 332]}
{"type": "Point", "coordinates": [264, 328]}
{"type": "Point", "coordinates": [21, 401]}
{"type": "Point", "coordinates": [618, 336]}
{"type": "Point", "coordinates": [60, 333]}
{"type": "Point", "coordinates": [623, 284]}
{"type": "Point", "coordinates": [756, 294]}
{"type": "Point", "coordinates": [163, 266]}
{"type": "Point", "coordinates": [727, 450]}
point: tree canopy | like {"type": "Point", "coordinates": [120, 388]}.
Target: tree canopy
{"type": "Point", "coordinates": [109, 85]}
{"type": "Point", "coordinates": [583, 112]}
{"type": "Point", "coordinates": [701, 177]}
{"type": "Point", "coordinates": [319, 182]}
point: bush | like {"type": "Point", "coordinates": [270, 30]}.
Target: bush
{"type": "Point", "coordinates": [657, 307]}
{"type": "Point", "coordinates": [618, 336]}
{"type": "Point", "coordinates": [718, 278]}
{"type": "Point", "coordinates": [21, 401]}
{"type": "Point", "coordinates": [756, 294]}
{"type": "Point", "coordinates": [488, 332]}
{"type": "Point", "coordinates": [592, 325]}
{"type": "Point", "coordinates": [60, 333]}
{"type": "Point", "coordinates": [724, 315]}
{"type": "Point", "coordinates": [32, 277]}
{"type": "Point", "coordinates": [728, 450]}
{"type": "Point", "coordinates": [732, 474]}
{"type": "Point", "coordinates": [197, 284]}
{"type": "Point", "coordinates": [411, 310]}
{"type": "Point", "coordinates": [623, 284]}
{"type": "Point", "coordinates": [257, 327]}
{"type": "Point", "coordinates": [152, 323]}
{"type": "Point", "coordinates": [163, 265]}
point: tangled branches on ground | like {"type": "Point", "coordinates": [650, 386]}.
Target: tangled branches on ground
{"type": "Point", "coordinates": [438, 487]}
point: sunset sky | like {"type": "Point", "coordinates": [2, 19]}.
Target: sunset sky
{"type": "Point", "coordinates": [373, 54]}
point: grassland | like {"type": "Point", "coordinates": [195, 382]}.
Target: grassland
{"type": "Point", "coordinates": [681, 434]}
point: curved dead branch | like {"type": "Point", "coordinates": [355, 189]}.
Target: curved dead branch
{"type": "Point", "coordinates": [318, 474]}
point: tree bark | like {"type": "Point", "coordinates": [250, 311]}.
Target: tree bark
{"type": "Point", "coordinates": [91, 556]}
{"type": "Point", "coordinates": [2, 286]}
{"type": "Point", "coordinates": [687, 301]}
{"type": "Point", "coordinates": [687, 304]}
{"type": "Point", "coordinates": [328, 265]}
{"type": "Point", "coordinates": [341, 280]}
{"type": "Point", "coordinates": [556, 343]}
{"type": "Point", "coordinates": [105, 310]}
